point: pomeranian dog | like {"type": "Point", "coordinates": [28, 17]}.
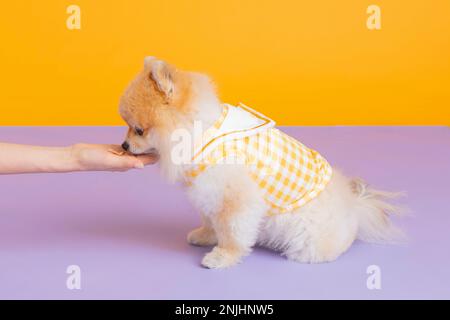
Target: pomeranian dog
{"type": "Point", "coordinates": [251, 183]}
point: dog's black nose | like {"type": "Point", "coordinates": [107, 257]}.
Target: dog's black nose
{"type": "Point", "coordinates": [125, 146]}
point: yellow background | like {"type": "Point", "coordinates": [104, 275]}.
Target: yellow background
{"type": "Point", "coordinates": [299, 62]}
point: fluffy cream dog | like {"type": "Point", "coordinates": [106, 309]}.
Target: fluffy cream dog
{"type": "Point", "coordinates": [163, 100]}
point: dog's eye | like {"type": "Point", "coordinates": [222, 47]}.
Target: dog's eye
{"type": "Point", "coordinates": [139, 131]}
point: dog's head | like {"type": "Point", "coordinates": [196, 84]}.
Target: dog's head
{"type": "Point", "coordinates": [153, 104]}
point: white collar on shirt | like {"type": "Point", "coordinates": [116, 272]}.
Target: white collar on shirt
{"type": "Point", "coordinates": [236, 122]}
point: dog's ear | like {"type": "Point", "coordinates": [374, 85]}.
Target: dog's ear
{"type": "Point", "coordinates": [162, 74]}
{"type": "Point", "coordinates": [148, 61]}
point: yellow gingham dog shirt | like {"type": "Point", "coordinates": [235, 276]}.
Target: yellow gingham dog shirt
{"type": "Point", "coordinates": [289, 173]}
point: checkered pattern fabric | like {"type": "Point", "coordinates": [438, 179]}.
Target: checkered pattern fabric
{"type": "Point", "coordinates": [289, 173]}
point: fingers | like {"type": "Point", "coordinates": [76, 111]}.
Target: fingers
{"type": "Point", "coordinates": [126, 162]}
{"type": "Point", "coordinates": [120, 160]}
{"type": "Point", "coordinates": [123, 163]}
{"type": "Point", "coordinates": [139, 161]}
{"type": "Point", "coordinates": [147, 158]}
{"type": "Point", "coordinates": [136, 164]}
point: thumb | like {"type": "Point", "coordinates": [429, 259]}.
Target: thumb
{"type": "Point", "coordinates": [146, 159]}
{"type": "Point", "coordinates": [133, 162]}
{"type": "Point", "coordinates": [138, 165]}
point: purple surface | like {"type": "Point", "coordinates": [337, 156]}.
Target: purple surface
{"type": "Point", "coordinates": [127, 230]}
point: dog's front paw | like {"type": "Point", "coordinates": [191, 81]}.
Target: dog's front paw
{"type": "Point", "coordinates": [220, 258]}
{"type": "Point", "coordinates": [202, 237]}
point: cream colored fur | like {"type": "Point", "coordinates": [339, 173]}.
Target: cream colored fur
{"type": "Point", "coordinates": [234, 213]}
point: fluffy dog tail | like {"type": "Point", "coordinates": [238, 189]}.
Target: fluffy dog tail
{"type": "Point", "coordinates": [374, 211]}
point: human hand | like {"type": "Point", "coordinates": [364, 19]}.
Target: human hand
{"type": "Point", "coordinates": [104, 157]}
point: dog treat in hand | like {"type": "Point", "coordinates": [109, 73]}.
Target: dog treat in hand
{"type": "Point", "coordinates": [117, 153]}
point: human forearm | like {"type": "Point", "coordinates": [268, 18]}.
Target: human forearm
{"type": "Point", "coordinates": [16, 158]}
